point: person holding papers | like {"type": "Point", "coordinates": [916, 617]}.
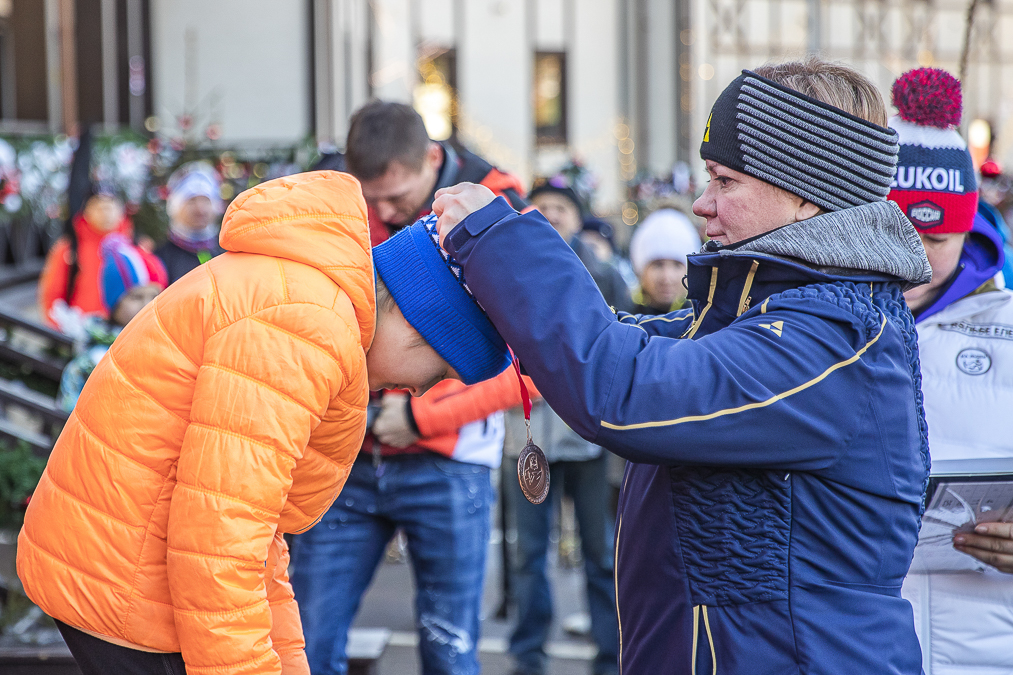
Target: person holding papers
{"type": "Point", "coordinates": [965, 334]}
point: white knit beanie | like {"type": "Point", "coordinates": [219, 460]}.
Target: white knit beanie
{"type": "Point", "coordinates": [664, 235]}
{"type": "Point", "coordinates": [193, 179]}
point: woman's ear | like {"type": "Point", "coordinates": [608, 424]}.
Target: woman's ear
{"type": "Point", "coordinates": [807, 210]}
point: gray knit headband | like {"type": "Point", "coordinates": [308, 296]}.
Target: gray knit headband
{"type": "Point", "coordinates": [816, 151]}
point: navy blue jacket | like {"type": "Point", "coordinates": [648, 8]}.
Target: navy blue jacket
{"type": "Point", "coordinates": [775, 433]}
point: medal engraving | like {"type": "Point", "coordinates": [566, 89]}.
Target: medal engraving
{"type": "Point", "coordinates": [533, 473]}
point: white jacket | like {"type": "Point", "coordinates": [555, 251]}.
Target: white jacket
{"type": "Point", "coordinates": [965, 620]}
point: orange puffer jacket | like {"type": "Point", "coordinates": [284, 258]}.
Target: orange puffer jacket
{"type": "Point", "coordinates": [227, 412]}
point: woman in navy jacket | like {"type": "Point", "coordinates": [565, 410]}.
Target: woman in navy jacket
{"type": "Point", "coordinates": [775, 430]}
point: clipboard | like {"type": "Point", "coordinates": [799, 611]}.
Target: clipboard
{"type": "Point", "coordinates": [961, 494]}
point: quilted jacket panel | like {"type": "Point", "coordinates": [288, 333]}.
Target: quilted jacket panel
{"type": "Point", "coordinates": [733, 533]}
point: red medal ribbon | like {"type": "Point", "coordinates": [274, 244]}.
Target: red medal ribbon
{"type": "Point", "coordinates": [532, 469]}
{"type": "Point", "coordinates": [525, 397]}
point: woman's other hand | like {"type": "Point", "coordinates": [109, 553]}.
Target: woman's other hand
{"type": "Point", "coordinates": [991, 543]}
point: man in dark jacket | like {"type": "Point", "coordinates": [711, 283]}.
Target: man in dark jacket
{"type": "Point", "coordinates": [562, 208]}
{"type": "Point", "coordinates": [775, 431]}
{"type": "Point", "coordinates": [401, 169]}
{"type": "Point", "coordinates": [411, 473]}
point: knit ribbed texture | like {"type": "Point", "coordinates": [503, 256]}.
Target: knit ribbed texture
{"type": "Point", "coordinates": [874, 237]}
{"type": "Point", "coordinates": [935, 184]}
{"type": "Point", "coordinates": [811, 149]}
{"type": "Point", "coordinates": [429, 288]}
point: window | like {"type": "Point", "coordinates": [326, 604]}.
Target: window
{"type": "Point", "coordinates": [550, 98]}
{"type": "Point", "coordinates": [23, 76]}
{"type": "Point", "coordinates": [435, 97]}
{"type": "Point", "coordinates": [26, 54]}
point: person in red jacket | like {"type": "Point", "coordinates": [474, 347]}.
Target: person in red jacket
{"type": "Point", "coordinates": [69, 287]}
{"type": "Point", "coordinates": [425, 463]}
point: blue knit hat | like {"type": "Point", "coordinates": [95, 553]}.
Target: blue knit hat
{"type": "Point", "coordinates": [125, 266]}
{"type": "Point", "coordinates": [429, 288]}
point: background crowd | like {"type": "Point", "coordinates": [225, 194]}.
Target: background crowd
{"type": "Point", "coordinates": [426, 473]}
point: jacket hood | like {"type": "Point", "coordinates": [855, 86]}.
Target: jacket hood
{"type": "Point", "coordinates": [872, 238]}
{"type": "Point", "coordinates": [317, 219]}
{"type": "Point", "coordinates": [981, 259]}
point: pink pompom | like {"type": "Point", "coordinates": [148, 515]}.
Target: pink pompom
{"type": "Point", "coordinates": [928, 96]}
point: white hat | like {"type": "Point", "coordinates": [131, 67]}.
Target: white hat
{"type": "Point", "coordinates": [193, 179]}
{"type": "Point", "coordinates": [666, 234]}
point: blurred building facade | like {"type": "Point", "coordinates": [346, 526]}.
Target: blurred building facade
{"type": "Point", "coordinates": [526, 83]}
{"type": "Point", "coordinates": [623, 85]}
{"type": "Point", "coordinates": [65, 61]}
{"type": "Point", "coordinates": [881, 38]}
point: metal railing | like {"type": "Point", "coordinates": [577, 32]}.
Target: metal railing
{"type": "Point", "coordinates": [35, 357]}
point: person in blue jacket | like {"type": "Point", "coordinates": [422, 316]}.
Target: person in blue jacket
{"type": "Point", "coordinates": [775, 430]}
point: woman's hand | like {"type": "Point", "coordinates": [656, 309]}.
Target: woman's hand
{"type": "Point", "coordinates": [454, 204]}
{"type": "Point", "coordinates": [991, 543]}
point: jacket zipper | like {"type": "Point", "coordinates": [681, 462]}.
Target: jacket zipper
{"type": "Point", "coordinates": [745, 299]}
{"type": "Point", "coordinates": [710, 300]}
{"type": "Point", "coordinates": [697, 611]}
{"type": "Point", "coordinates": [615, 570]}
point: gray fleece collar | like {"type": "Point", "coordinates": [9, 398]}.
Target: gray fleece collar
{"type": "Point", "coordinates": [874, 237]}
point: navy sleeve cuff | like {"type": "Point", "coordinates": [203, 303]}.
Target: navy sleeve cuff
{"type": "Point", "coordinates": [477, 223]}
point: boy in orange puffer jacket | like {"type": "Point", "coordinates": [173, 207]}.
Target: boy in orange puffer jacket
{"type": "Point", "coordinates": [227, 413]}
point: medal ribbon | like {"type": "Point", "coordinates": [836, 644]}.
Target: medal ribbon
{"type": "Point", "coordinates": [525, 397]}
{"type": "Point", "coordinates": [532, 469]}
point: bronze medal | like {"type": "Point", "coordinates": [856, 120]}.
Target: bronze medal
{"type": "Point", "coordinates": [533, 473]}
{"type": "Point", "coordinates": [532, 467]}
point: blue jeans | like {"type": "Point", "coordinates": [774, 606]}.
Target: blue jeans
{"type": "Point", "coordinates": [587, 483]}
{"type": "Point", "coordinates": [443, 507]}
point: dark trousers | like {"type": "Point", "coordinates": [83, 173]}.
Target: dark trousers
{"type": "Point", "coordinates": [98, 657]}
{"type": "Point", "coordinates": [587, 483]}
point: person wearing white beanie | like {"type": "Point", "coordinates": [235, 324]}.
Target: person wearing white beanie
{"type": "Point", "coordinates": [658, 251]}
{"type": "Point", "coordinates": [193, 207]}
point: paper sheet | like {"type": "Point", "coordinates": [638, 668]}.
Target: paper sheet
{"type": "Point", "coordinates": [959, 505]}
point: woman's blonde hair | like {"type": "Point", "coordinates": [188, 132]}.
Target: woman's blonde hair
{"type": "Point", "coordinates": [832, 83]}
